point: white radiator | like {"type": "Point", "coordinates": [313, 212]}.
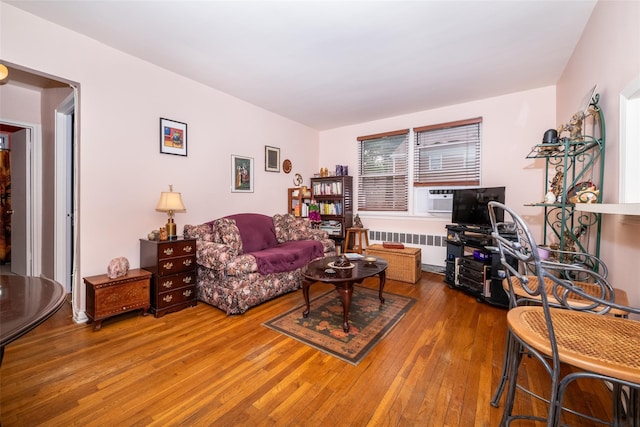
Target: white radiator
{"type": "Point", "coordinates": [433, 248]}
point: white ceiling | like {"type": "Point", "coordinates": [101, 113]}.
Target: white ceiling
{"type": "Point", "coordinates": [332, 63]}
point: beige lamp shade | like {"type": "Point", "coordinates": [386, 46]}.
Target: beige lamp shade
{"type": "Point", "coordinates": [170, 201]}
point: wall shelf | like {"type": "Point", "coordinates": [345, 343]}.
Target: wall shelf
{"type": "Point", "coordinates": [610, 208]}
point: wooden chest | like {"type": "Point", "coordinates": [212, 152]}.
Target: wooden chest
{"type": "Point", "coordinates": [173, 264]}
{"type": "Point", "coordinates": [108, 297]}
{"type": "Point", "coordinates": [405, 264]}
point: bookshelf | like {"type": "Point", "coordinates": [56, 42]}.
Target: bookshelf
{"type": "Point", "coordinates": [334, 196]}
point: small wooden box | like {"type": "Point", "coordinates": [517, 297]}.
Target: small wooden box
{"type": "Point", "coordinates": [108, 297]}
{"type": "Point", "coordinates": [405, 264]}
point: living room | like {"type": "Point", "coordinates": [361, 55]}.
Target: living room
{"type": "Point", "coordinates": [119, 91]}
{"type": "Point", "coordinates": [122, 172]}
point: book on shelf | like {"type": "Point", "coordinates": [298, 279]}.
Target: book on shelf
{"type": "Point", "coordinates": [301, 210]}
{"type": "Point", "coordinates": [332, 208]}
{"type": "Point", "coordinates": [327, 188]}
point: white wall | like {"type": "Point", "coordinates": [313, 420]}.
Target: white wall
{"type": "Point", "coordinates": [512, 125]}
{"type": "Point", "coordinates": [20, 104]}
{"type": "Point", "coordinates": [121, 170]}
{"type": "Point", "coordinates": [609, 55]}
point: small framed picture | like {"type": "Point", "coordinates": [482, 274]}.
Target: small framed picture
{"type": "Point", "coordinates": [173, 137]}
{"type": "Point", "coordinates": [241, 174]}
{"type": "Point", "coordinates": [271, 159]}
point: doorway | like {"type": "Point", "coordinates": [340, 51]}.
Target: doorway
{"type": "Point", "coordinates": [17, 199]}
{"type": "Point", "coordinates": [50, 187]}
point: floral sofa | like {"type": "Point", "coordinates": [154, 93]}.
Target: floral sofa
{"type": "Point", "coordinates": [246, 259]}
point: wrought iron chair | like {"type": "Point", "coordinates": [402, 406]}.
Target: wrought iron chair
{"type": "Point", "coordinates": [569, 324]}
{"type": "Point", "coordinates": [517, 295]}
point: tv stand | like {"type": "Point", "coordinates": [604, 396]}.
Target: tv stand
{"type": "Point", "coordinates": [473, 264]}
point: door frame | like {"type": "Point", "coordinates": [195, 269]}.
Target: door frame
{"type": "Point", "coordinates": [64, 259]}
{"type": "Point", "coordinates": [33, 238]}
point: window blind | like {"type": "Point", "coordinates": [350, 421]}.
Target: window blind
{"type": "Point", "coordinates": [383, 176]}
{"type": "Point", "coordinates": [448, 154]}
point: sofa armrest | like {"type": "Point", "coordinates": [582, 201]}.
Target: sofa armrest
{"type": "Point", "coordinates": [316, 234]}
{"type": "Point", "coordinates": [214, 255]}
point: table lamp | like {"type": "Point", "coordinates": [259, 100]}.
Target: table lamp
{"type": "Point", "coordinates": [170, 202]}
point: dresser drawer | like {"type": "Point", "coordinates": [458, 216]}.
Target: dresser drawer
{"type": "Point", "coordinates": [176, 249]}
{"type": "Point", "coordinates": [167, 283]}
{"type": "Point", "coordinates": [176, 265]}
{"type": "Point", "coordinates": [176, 297]}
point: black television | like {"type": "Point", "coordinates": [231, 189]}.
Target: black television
{"type": "Point", "coordinates": [470, 206]}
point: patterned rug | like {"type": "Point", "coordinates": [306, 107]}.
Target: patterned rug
{"type": "Point", "coordinates": [369, 322]}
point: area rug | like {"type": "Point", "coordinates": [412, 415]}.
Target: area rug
{"type": "Point", "coordinates": [369, 320]}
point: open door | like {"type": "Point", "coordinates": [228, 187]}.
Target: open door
{"type": "Point", "coordinates": [20, 258]}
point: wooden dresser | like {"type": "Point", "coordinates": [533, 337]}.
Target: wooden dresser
{"type": "Point", "coordinates": [173, 264]}
{"type": "Point", "coordinates": [108, 297]}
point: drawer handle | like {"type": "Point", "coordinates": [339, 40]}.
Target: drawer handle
{"type": "Point", "coordinates": [186, 262]}
{"type": "Point", "coordinates": [188, 249]}
{"type": "Point", "coordinates": [187, 280]}
{"type": "Point", "coordinates": [168, 251]}
{"type": "Point", "coordinates": [168, 266]}
{"type": "Point", "coordinates": [167, 298]}
{"type": "Point", "coordinates": [168, 284]}
{"type": "Point", "coordinates": [187, 293]}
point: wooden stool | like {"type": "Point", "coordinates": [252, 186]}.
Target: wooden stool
{"type": "Point", "coordinates": [358, 234]}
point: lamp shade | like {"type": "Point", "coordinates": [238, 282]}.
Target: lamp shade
{"type": "Point", "coordinates": [170, 201]}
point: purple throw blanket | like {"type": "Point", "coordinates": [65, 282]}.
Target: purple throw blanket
{"type": "Point", "coordinates": [288, 256]}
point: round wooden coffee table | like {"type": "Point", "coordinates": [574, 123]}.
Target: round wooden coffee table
{"type": "Point", "coordinates": [26, 302]}
{"type": "Point", "coordinates": [343, 279]}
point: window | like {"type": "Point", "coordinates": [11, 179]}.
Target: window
{"type": "Point", "coordinates": [629, 147]}
{"type": "Point", "coordinates": [383, 179]}
{"type": "Point", "coordinates": [447, 154]}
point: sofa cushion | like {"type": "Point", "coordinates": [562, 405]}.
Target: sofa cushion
{"type": "Point", "coordinates": [288, 256]}
{"type": "Point", "coordinates": [256, 231]}
{"type": "Point", "coordinates": [288, 227]}
{"type": "Point", "coordinates": [225, 231]}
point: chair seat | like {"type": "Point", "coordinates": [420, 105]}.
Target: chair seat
{"type": "Point", "coordinates": [620, 296]}
{"type": "Point", "coordinates": [601, 344]}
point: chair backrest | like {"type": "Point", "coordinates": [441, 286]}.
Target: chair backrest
{"type": "Point", "coordinates": [567, 280]}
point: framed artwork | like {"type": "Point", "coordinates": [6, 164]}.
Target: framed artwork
{"type": "Point", "coordinates": [173, 137]}
{"type": "Point", "coordinates": [271, 159]}
{"type": "Point", "coordinates": [241, 174]}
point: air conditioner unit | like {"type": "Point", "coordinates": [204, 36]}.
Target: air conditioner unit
{"type": "Point", "coordinates": [433, 200]}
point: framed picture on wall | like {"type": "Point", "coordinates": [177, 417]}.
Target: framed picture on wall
{"type": "Point", "coordinates": [241, 174]}
{"type": "Point", "coordinates": [173, 137]}
{"type": "Point", "coordinates": [271, 159]}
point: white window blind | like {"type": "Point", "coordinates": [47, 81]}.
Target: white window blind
{"type": "Point", "coordinates": [383, 177]}
{"type": "Point", "coordinates": [448, 154]}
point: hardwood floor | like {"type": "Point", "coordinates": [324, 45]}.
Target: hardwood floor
{"type": "Point", "coordinates": [438, 367]}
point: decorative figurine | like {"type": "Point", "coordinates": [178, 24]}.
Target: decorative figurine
{"type": "Point", "coordinates": [574, 127]}
{"type": "Point", "coordinates": [164, 235]}
{"type": "Point", "coordinates": [357, 222]}
{"type": "Point", "coordinates": [550, 197]}
{"type": "Point", "coordinates": [556, 184]}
